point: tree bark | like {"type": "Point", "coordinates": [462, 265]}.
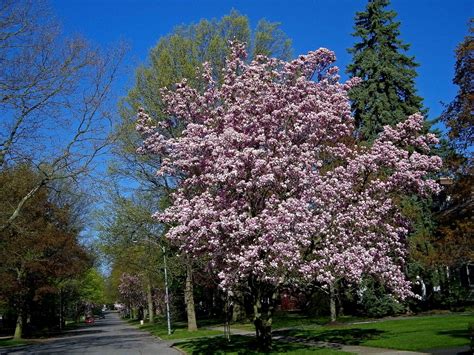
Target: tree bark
{"type": "Point", "coordinates": [332, 302]}
{"type": "Point", "coordinates": [264, 306]}
{"type": "Point", "coordinates": [61, 325]}
{"type": "Point", "coordinates": [19, 326]}
{"type": "Point", "coordinates": [149, 296]}
{"type": "Point", "coordinates": [189, 298]}
{"type": "Point", "coordinates": [237, 309]}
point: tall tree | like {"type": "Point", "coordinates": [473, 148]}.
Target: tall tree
{"type": "Point", "coordinates": [40, 250]}
{"type": "Point", "coordinates": [273, 187]}
{"type": "Point", "coordinates": [459, 114]}
{"type": "Point", "coordinates": [387, 94]}
{"type": "Point", "coordinates": [176, 56]}
{"type": "Point", "coordinates": [131, 241]}
{"type": "Point", "coordinates": [53, 98]}
{"type": "Point", "coordinates": [452, 240]}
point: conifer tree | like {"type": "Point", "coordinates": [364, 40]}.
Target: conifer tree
{"type": "Point", "coordinates": [388, 94]}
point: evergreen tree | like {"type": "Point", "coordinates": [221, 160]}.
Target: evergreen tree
{"type": "Point", "coordinates": [387, 95]}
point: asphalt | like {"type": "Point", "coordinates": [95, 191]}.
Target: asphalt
{"type": "Point", "coordinates": [107, 336]}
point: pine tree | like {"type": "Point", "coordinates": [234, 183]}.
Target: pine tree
{"type": "Point", "coordinates": [387, 95]}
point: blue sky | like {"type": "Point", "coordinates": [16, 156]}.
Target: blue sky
{"type": "Point", "coordinates": [432, 27]}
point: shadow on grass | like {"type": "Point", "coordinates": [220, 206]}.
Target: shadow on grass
{"type": "Point", "coordinates": [457, 333]}
{"type": "Point", "coordinates": [241, 344]}
{"type": "Point", "coordinates": [340, 336]}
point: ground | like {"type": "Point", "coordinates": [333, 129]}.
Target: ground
{"type": "Point", "coordinates": [293, 334]}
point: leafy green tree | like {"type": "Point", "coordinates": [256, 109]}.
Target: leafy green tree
{"type": "Point", "coordinates": [92, 287]}
{"type": "Point", "coordinates": [387, 94]}
{"type": "Point", "coordinates": [130, 240]}
{"type": "Point", "coordinates": [452, 240]}
{"type": "Point", "coordinates": [38, 251]}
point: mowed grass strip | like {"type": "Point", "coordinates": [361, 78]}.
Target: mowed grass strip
{"type": "Point", "coordinates": [179, 330]}
{"type": "Point", "coordinates": [414, 333]}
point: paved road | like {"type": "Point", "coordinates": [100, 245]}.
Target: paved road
{"type": "Point", "coordinates": [107, 336]}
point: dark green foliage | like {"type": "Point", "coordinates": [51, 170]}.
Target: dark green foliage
{"type": "Point", "coordinates": [377, 302]}
{"type": "Point", "coordinates": [387, 95]}
{"type": "Point", "coordinates": [459, 114]}
{"type": "Point", "coordinates": [42, 260]}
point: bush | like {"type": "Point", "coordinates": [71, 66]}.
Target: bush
{"type": "Point", "coordinates": [375, 302]}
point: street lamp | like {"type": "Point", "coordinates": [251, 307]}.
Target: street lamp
{"type": "Point", "coordinates": [167, 301]}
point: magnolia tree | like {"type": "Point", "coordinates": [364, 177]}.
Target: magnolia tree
{"type": "Point", "coordinates": [272, 188]}
{"type": "Point", "coordinates": [131, 292]}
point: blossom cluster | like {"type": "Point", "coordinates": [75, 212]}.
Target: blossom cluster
{"type": "Point", "coordinates": [131, 290]}
{"type": "Point", "coordinates": [272, 184]}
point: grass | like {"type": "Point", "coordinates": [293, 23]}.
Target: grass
{"type": "Point", "coordinates": [414, 333]}
{"type": "Point", "coordinates": [12, 342]}
{"type": "Point", "coordinates": [240, 344]}
{"type": "Point", "coordinates": [411, 333]}
{"type": "Point", "coordinates": [179, 330]}
{"type": "Point", "coordinates": [295, 320]}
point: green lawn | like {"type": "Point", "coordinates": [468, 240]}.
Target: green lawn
{"type": "Point", "coordinates": [179, 330]}
{"type": "Point", "coordinates": [414, 333]}
{"type": "Point", "coordinates": [240, 344]}
{"type": "Point", "coordinates": [12, 342]}
{"type": "Point", "coordinates": [295, 320]}
{"type": "Point", "coordinates": [411, 333]}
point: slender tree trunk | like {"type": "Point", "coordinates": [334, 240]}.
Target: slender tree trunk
{"type": "Point", "coordinates": [19, 326]}
{"type": "Point", "coordinates": [149, 296]}
{"type": "Point", "coordinates": [237, 310]}
{"type": "Point", "coordinates": [189, 298]}
{"type": "Point", "coordinates": [60, 310]}
{"type": "Point", "coordinates": [332, 302]}
{"type": "Point", "coordinates": [264, 306]}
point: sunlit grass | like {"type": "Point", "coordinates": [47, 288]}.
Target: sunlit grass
{"type": "Point", "coordinates": [414, 333]}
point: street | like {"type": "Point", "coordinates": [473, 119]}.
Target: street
{"type": "Point", "coordinates": [107, 336]}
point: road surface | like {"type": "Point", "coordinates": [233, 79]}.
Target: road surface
{"type": "Point", "coordinates": [107, 336]}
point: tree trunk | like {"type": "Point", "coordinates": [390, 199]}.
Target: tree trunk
{"type": "Point", "coordinates": [237, 309]}
{"type": "Point", "coordinates": [264, 306]}
{"type": "Point", "coordinates": [61, 320]}
{"type": "Point", "coordinates": [332, 302]}
{"type": "Point", "coordinates": [189, 298]}
{"type": "Point", "coordinates": [149, 296]}
{"type": "Point", "coordinates": [19, 326]}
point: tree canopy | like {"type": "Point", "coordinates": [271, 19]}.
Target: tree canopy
{"type": "Point", "coordinates": [387, 94]}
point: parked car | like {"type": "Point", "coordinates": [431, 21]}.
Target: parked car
{"type": "Point", "coordinates": [89, 320]}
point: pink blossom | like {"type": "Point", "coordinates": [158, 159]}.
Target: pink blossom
{"type": "Point", "coordinates": [272, 186]}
